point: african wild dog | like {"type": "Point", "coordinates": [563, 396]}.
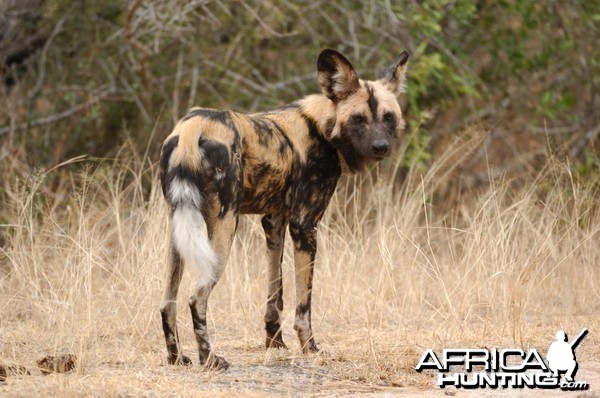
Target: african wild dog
{"type": "Point", "coordinates": [283, 163]}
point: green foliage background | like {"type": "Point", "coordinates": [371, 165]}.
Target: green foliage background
{"type": "Point", "coordinates": [111, 71]}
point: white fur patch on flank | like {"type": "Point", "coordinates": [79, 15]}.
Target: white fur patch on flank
{"type": "Point", "coordinates": [190, 238]}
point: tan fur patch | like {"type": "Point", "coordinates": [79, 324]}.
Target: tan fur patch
{"type": "Point", "coordinates": [356, 103]}
{"type": "Point", "coordinates": [303, 263]}
{"type": "Point", "coordinates": [188, 153]}
{"type": "Point", "coordinates": [319, 108]}
{"type": "Point", "coordinates": [387, 102]}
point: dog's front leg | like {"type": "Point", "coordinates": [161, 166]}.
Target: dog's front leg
{"type": "Point", "coordinates": [274, 226]}
{"type": "Point", "coordinates": [305, 249]}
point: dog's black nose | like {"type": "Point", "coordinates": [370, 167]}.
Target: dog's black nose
{"type": "Point", "coordinates": [380, 147]}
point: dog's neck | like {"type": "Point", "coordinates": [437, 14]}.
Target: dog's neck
{"type": "Point", "coordinates": [321, 110]}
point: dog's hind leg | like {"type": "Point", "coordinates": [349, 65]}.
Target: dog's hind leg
{"type": "Point", "coordinates": [168, 310]}
{"type": "Point", "coordinates": [221, 232]}
{"type": "Point", "coordinates": [274, 226]}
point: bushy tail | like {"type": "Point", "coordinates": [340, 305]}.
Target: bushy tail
{"type": "Point", "coordinates": [188, 227]}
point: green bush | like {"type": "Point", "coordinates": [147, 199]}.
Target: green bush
{"type": "Point", "coordinates": [113, 70]}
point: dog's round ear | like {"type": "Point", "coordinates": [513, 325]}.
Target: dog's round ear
{"type": "Point", "coordinates": [337, 76]}
{"type": "Point", "coordinates": [394, 75]}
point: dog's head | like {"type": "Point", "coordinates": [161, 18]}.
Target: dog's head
{"type": "Point", "coordinates": [368, 116]}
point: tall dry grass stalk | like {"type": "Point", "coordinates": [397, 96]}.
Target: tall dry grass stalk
{"type": "Point", "coordinates": [82, 273]}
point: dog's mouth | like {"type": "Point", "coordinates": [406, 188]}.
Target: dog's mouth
{"type": "Point", "coordinates": [378, 157]}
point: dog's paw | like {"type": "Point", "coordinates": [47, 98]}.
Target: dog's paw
{"type": "Point", "coordinates": [215, 362]}
{"type": "Point", "coordinates": [179, 360]}
{"type": "Point", "coordinates": [275, 342]}
{"type": "Point", "coordinates": [310, 347]}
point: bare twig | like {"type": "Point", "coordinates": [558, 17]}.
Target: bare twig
{"type": "Point", "coordinates": [194, 83]}
{"type": "Point", "coordinates": [42, 67]}
{"type": "Point", "coordinates": [236, 77]}
{"type": "Point", "coordinates": [145, 53]}
{"type": "Point", "coordinates": [136, 99]}
{"type": "Point", "coordinates": [57, 116]}
{"type": "Point", "coordinates": [176, 87]}
{"type": "Point", "coordinates": [262, 23]}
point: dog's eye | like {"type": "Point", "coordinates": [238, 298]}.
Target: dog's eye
{"type": "Point", "coordinates": [389, 117]}
{"type": "Point", "coordinates": [358, 119]}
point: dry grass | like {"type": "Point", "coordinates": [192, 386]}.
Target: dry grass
{"type": "Point", "coordinates": [82, 273]}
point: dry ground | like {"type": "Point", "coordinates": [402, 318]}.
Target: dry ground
{"type": "Point", "coordinates": [347, 369]}
{"type": "Point", "coordinates": [82, 271]}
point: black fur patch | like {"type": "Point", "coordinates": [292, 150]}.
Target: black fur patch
{"type": "Point", "coordinates": [354, 160]}
{"type": "Point", "coordinates": [305, 236]}
{"type": "Point", "coordinates": [215, 153]}
{"type": "Point", "coordinates": [391, 124]}
{"type": "Point", "coordinates": [197, 321]}
{"type": "Point", "coordinates": [211, 114]}
{"type": "Point", "coordinates": [167, 148]}
{"type": "Point", "coordinates": [326, 62]}
{"type": "Point", "coordinates": [313, 130]}
{"type": "Point", "coordinates": [329, 125]}
{"type": "Point", "coordinates": [200, 331]}
{"type": "Point", "coordinates": [303, 308]}
{"type": "Point", "coordinates": [265, 191]}
{"type": "Point", "coordinates": [283, 133]}
{"type": "Point", "coordinates": [283, 108]}
{"type": "Point", "coordinates": [372, 102]}
{"type": "Point", "coordinates": [263, 130]}
{"type": "Point", "coordinates": [172, 348]}
{"type": "Point", "coordinates": [273, 328]}
{"type": "Point", "coordinates": [272, 225]}
{"type": "Point", "coordinates": [326, 66]}
{"type": "Point", "coordinates": [315, 183]}
{"type": "Point", "coordinates": [220, 176]}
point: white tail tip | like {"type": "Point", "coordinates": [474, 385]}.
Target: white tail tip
{"type": "Point", "coordinates": [190, 238]}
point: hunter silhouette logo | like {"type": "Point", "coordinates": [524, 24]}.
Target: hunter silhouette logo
{"type": "Point", "coordinates": [561, 354]}
{"type": "Point", "coordinates": [507, 368]}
